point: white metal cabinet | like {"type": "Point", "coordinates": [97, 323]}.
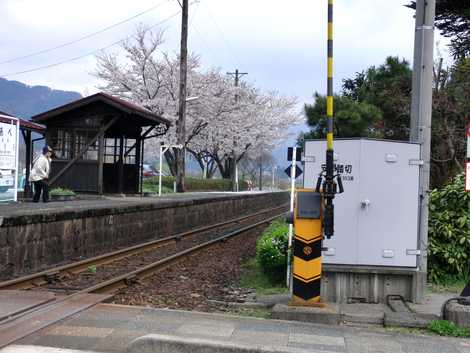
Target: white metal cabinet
{"type": "Point", "coordinates": [376, 219]}
{"type": "Point", "coordinates": [343, 244]}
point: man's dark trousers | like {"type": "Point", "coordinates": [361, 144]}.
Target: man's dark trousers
{"type": "Point", "coordinates": [39, 186]}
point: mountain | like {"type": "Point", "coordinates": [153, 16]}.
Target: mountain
{"type": "Point", "coordinates": [21, 100]}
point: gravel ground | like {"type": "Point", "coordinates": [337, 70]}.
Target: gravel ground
{"type": "Point", "coordinates": [192, 284]}
{"type": "Point", "coordinates": [70, 282]}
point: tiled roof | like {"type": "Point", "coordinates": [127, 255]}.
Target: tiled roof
{"type": "Point", "coordinates": [24, 124]}
{"type": "Point", "coordinates": [117, 103]}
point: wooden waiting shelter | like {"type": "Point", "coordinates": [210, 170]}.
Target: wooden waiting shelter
{"type": "Point", "coordinates": [98, 143]}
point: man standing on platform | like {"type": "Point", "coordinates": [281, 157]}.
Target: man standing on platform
{"type": "Point", "coordinates": [40, 175]}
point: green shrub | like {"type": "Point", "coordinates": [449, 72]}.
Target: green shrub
{"type": "Point", "coordinates": [449, 241]}
{"type": "Point", "coordinates": [150, 187]}
{"type": "Point", "coordinates": [197, 184]}
{"type": "Point", "coordinates": [61, 192]}
{"type": "Point", "coordinates": [448, 328]}
{"type": "Point", "coordinates": [271, 250]}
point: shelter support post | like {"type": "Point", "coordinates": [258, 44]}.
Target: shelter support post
{"type": "Point", "coordinates": [137, 164]}
{"type": "Point", "coordinates": [29, 153]}
{"type": "Point", "coordinates": [121, 165]}
{"type": "Point", "coordinates": [101, 154]}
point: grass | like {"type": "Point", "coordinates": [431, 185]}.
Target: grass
{"type": "Point", "coordinates": [92, 269]}
{"type": "Point", "coordinates": [407, 330]}
{"type": "Point", "coordinates": [435, 327]}
{"type": "Point", "coordinates": [197, 184]}
{"type": "Point", "coordinates": [448, 328]}
{"type": "Point", "coordinates": [449, 284]}
{"type": "Point", "coordinates": [253, 277]}
{"type": "Point", "coordinates": [152, 188]}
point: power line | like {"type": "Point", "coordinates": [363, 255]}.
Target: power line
{"type": "Point", "coordinates": [81, 38]}
{"type": "Point", "coordinates": [224, 39]}
{"type": "Point", "coordinates": [192, 27]}
{"type": "Point", "coordinates": [84, 55]}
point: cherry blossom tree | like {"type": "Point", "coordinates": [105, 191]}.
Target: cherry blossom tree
{"type": "Point", "coordinates": [149, 77]}
{"type": "Point", "coordinates": [224, 125]}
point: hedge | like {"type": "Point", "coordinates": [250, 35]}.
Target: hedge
{"type": "Point", "coordinates": [449, 227]}
{"type": "Point", "coordinates": [197, 184]}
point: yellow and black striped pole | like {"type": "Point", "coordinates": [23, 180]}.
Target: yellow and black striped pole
{"type": "Point", "coordinates": [329, 187]}
{"type": "Point", "coordinates": [329, 99]}
{"type": "Point", "coordinates": [314, 211]}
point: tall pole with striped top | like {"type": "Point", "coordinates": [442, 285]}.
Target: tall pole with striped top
{"type": "Point", "coordinates": [329, 186]}
{"type": "Point", "coordinates": [309, 221]}
{"type": "Point", "coordinates": [329, 99]}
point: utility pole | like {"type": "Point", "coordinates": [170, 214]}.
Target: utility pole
{"type": "Point", "coordinates": [261, 171]}
{"type": "Point", "coordinates": [233, 162]}
{"type": "Point", "coordinates": [237, 76]}
{"type": "Point", "coordinates": [181, 127]}
{"type": "Point", "coordinates": [421, 111]}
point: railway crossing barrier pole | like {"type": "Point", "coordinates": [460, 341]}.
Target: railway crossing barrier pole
{"type": "Point", "coordinates": [314, 210]}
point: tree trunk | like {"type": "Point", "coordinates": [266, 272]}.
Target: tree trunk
{"type": "Point", "coordinates": [223, 166]}
{"type": "Point", "coordinates": [211, 169]}
{"type": "Point", "coordinates": [171, 161]}
{"type": "Point", "coordinates": [233, 166]}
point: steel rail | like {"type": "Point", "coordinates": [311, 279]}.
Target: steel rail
{"type": "Point", "coordinates": [127, 279]}
{"type": "Point", "coordinates": [41, 278]}
{"type": "Point", "coordinates": [148, 270]}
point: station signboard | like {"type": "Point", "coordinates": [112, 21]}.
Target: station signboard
{"type": "Point", "coordinates": [9, 139]}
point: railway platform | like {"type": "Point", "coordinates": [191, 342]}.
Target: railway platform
{"type": "Point", "coordinates": [111, 328]}
{"type": "Point", "coordinates": [26, 209]}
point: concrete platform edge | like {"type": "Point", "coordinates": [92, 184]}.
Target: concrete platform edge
{"type": "Point", "coordinates": [156, 343]}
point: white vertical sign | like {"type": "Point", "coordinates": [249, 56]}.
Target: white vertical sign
{"type": "Point", "coordinates": [9, 148]}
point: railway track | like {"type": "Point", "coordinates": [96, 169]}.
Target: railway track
{"type": "Point", "coordinates": [15, 326]}
{"type": "Point", "coordinates": [50, 275]}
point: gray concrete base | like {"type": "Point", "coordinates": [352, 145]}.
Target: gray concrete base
{"type": "Point", "coordinates": [273, 299]}
{"type": "Point", "coordinates": [354, 314]}
{"type": "Point", "coordinates": [403, 319]}
{"type": "Point", "coordinates": [371, 284]}
{"type": "Point", "coordinates": [459, 314]}
{"type": "Point", "coordinates": [363, 314]}
{"type": "Point", "coordinates": [164, 343]}
{"type": "Point", "coordinates": [329, 315]}
{"type": "Point", "coordinates": [333, 314]}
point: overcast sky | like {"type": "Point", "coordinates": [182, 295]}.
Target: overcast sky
{"type": "Point", "coordinates": [281, 44]}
